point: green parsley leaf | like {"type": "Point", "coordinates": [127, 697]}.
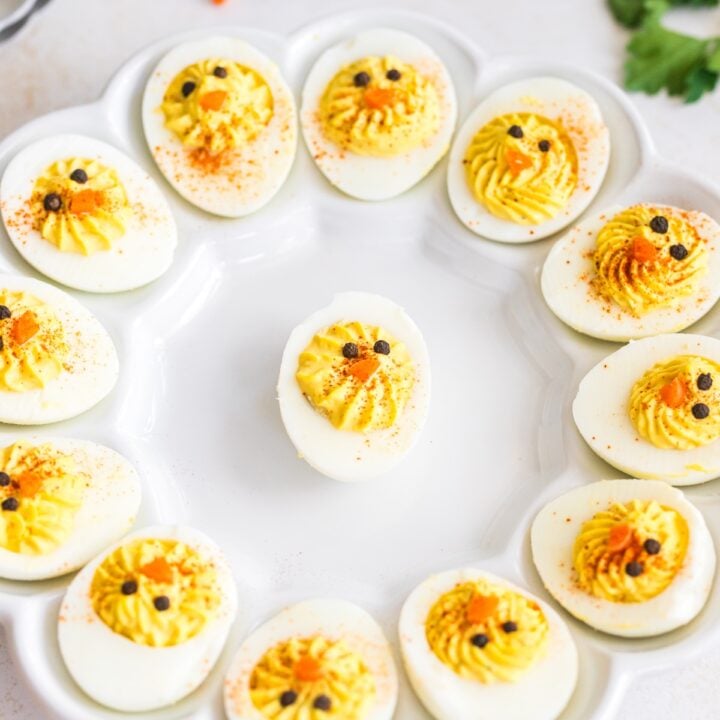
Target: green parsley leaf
{"type": "Point", "coordinates": [631, 13]}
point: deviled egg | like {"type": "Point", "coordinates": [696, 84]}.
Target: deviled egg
{"type": "Point", "coordinates": [652, 408]}
{"type": "Point", "coordinates": [632, 272]}
{"type": "Point", "coordinates": [528, 160]}
{"type": "Point", "coordinates": [154, 610]}
{"type": "Point", "coordinates": [56, 359]}
{"type": "Point", "coordinates": [378, 111]}
{"type": "Point", "coordinates": [477, 647]}
{"type": "Point", "coordinates": [220, 122]}
{"type": "Point", "coordinates": [84, 214]}
{"type": "Point", "coordinates": [315, 659]}
{"type": "Point", "coordinates": [628, 557]}
{"type": "Point", "coordinates": [354, 386]}
{"type": "Point", "coordinates": [61, 502]}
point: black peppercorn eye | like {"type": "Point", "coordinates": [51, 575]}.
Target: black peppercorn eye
{"type": "Point", "coordinates": [700, 411]}
{"type": "Point", "coordinates": [10, 504]}
{"type": "Point", "coordinates": [288, 698]}
{"type": "Point", "coordinates": [480, 640]}
{"type": "Point", "coordinates": [659, 224]}
{"type": "Point", "coordinates": [516, 131]}
{"type": "Point", "coordinates": [510, 626]}
{"type": "Point", "coordinates": [220, 72]}
{"type": "Point", "coordinates": [350, 350]}
{"type": "Point", "coordinates": [634, 568]}
{"type": "Point", "coordinates": [382, 347]}
{"type": "Point", "coordinates": [544, 145]}
{"type": "Point", "coordinates": [651, 546]}
{"type": "Point", "coordinates": [4, 479]}
{"type": "Point", "coordinates": [79, 176]}
{"type": "Point", "coordinates": [52, 202]}
{"type": "Point", "coordinates": [678, 252]}
{"type": "Point", "coordinates": [5, 312]}
{"type": "Point", "coordinates": [361, 79]}
{"type": "Point", "coordinates": [129, 587]}
{"type": "Point", "coordinates": [322, 702]}
{"type": "Point", "coordinates": [161, 603]}
{"type": "Point", "coordinates": [393, 74]}
{"type": "Point", "coordinates": [704, 381]}
{"type": "Point", "coordinates": [188, 87]}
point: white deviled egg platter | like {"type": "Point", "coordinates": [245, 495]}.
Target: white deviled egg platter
{"type": "Point", "coordinates": [195, 408]}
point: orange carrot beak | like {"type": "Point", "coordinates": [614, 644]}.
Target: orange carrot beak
{"type": "Point", "coordinates": [643, 250]}
{"type": "Point", "coordinates": [377, 98]}
{"type": "Point", "coordinates": [213, 100]}
{"type": "Point", "coordinates": [364, 369]}
{"type": "Point", "coordinates": [674, 393]}
{"type": "Point", "coordinates": [517, 161]}
{"type": "Point", "coordinates": [480, 608]}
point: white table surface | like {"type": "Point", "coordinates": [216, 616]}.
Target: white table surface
{"type": "Point", "coordinates": [68, 51]}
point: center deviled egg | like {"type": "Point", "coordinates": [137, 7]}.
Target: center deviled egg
{"type": "Point", "coordinates": [354, 386]}
{"type": "Point", "coordinates": [155, 610]}
{"type": "Point", "coordinates": [56, 360]}
{"type": "Point", "coordinates": [86, 215]}
{"type": "Point", "coordinates": [61, 502]}
{"type": "Point", "coordinates": [378, 112]}
{"type": "Point", "coordinates": [316, 659]}
{"type": "Point", "coordinates": [632, 272]}
{"type": "Point", "coordinates": [652, 409]}
{"type": "Point", "coordinates": [528, 160]}
{"type": "Point", "coordinates": [628, 557]}
{"type": "Point", "coordinates": [221, 124]}
{"type": "Point", "coordinates": [477, 647]}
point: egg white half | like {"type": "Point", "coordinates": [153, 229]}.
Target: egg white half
{"type": "Point", "coordinates": [110, 503]}
{"type": "Point", "coordinates": [569, 269]}
{"type": "Point", "coordinates": [552, 537]}
{"type": "Point", "coordinates": [601, 413]}
{"type": "Point", "coordinates": [335, 619]}
{"type": "Point", "coordinates": [342, 454]}
{"type": "Point", "coordinates": [552, 98]}
{"type": "Point", "coordinates": [93, 362]}
{"type": "Point", "coordinates": [376, 178]}
{"type": "Point", "coordinates": [540, 694]}
{"type": "Point", "coordinates": [127, 676]}
{"type": "Point", "coordinates": [141, 255]}
{"type": "Point", "coordinates": [264, 163]}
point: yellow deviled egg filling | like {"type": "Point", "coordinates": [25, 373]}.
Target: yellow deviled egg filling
{"type": "Point", "coordinates": [630, 552]}
{"type": "Point", "coordinates": [41, 491]}
{"type": "Point", "coordinates": [306, 678]}
{"type": "Point", "coordinates": [156, 592]}
{"type": "Point", "coordinates": [522, 167]}
{"type": "Point", "coordinates": [648, 258]}
{"type": "Point", "coordinates": [33, 347]}
{"type": "Point", "coordinates": [357, 375]}
{"type": "Point", "coordinates": [217, 105]}
{"type": "Point", "coordinates": [486, 633]}
{"type": "Point", "coordinates": [80, 206]}
{"type": "Point", "coordinates": [381, 107]}
{"type": "Point", "coordinates": [676, 403]}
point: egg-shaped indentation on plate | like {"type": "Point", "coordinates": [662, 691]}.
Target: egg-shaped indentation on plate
{"type": "Point", "coordinates": [86, 215]}
{"type": "Point", "coordinates": [56, 359]}
{"type": "Point", "coordinates": [631, 272]}
{"type": "Point", "coordinates": [629, 557]}
{"type": "Point", "coordinates": [155, 610]}
{"type": "Point", "coordinates": [221, 123]}
{"type": "Point", "coordinates": [378, 112]}
{"type": "Point", "coordinates": [528, 160]}
{"type": "Point", "coordinates": [652, 408]}
{"type": "Point", "coordinates": [62, 501]}
{"type": "Point", "coordinates": [317, 657]}
{"type": "Point", "coordinates": [354, 386]}
{"type": "Point", "coordinates": [478, 647]}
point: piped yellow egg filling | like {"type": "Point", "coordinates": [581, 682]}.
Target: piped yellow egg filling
{"type": "Point", "coordinates": [380, 106]}
{"type": "Point", "coordinates": [314, 677]}
{"type": "Point", "coordinates": [156, 592]}
{"type": "Point", "coordinates": [522, 167]}
{"type": "Point", "coordinates": [41, 491]}
{"type": "Point", "coordinates": [357, 375]}
{"type": "Point", "coordinates": [80, 206]}
{"type": "Point", "coordinates": [487, 633]}
{"type": "Point", "coordinates": [217, 105]}
{"type": "Point", "coordinates": [630, 552]}
{"type": "Point", "coordinates": [676, 403]}
{"type": "Point", "coordinates": [648, 258]}
{"type": "Point", "coordinates": [32, 342]}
